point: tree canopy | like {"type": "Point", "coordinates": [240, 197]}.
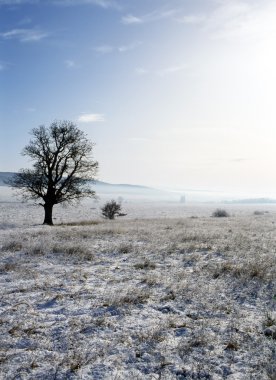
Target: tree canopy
{"type": "Point", "coordinates": [63, 166]}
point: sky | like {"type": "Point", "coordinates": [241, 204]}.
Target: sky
{"type": "Point", "coordinates": [175, 93]}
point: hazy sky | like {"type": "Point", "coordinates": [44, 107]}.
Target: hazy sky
{"type": "Point", "coordinates": [173, 92]}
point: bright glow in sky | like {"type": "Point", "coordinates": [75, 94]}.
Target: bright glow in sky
{"type": "Point", "coordinates": [175, 93]}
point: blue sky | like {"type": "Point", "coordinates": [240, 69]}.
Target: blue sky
{"type": "Point", "coordinates": [177, 93]}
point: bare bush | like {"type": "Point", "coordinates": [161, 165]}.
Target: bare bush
{"type": "Point", "coordinates": [146, 264]}
{"type": "Point", "coordinates": [220, 213]}
{"type": "Point", "coordinates": [111, 209]}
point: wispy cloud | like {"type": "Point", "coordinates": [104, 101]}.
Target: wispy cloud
{"type": "Point", "coordinates": [132, 46]}
{"type": "Point", "coordinates": [101, 3]}
{"type": "Point", "coordinates": [4, 65]}
{"type": "Point", "coordinates": [192, 19]}
{"type": "Point", "coordinates": [30, 109]}
{"type": "Point", "coordinates": [25, 21]}
{"type": "Point", "coordinates": [141, 71]}
{"type": "Point", "coordinates": [24, 35]}
{"type": "Point", "coordinates": [91, 118]}
{"type": "Point", "coordinates": [247, 20]}
{"type": "Point", "coordinates": [70, 64]}
{"type": "Point", "coordinates": [17, 2]}
{"type": "Point", "coordinates": [161, 72]}
{"type": "Point", "coordinates": [223, 19]}
{"type": "Point", "coordinates": [106, 49]}
{"type": "Point", "coordinates": [139, 139]}
{"type": "Point", "coordinates": [130, 19]}
{"type": "Point", "coordinates": [171, 70]}
{"type": "Point", "coordinates": [238, 20]}
{"type": "Point", "coordinates": [228, 17]}
{"type": "Point", "coordinates": [149, 17]}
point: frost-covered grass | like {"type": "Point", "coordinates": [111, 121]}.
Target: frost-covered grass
{"type": "Point", "coordinates": [165, 293]}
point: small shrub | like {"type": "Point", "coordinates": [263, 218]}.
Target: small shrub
{"type": "Point", "coordinates": [220, 213]}
{"type": "Point", "coordinates": [232, 345]}
{"type": "Point", "coordinates": [147, 264]}
{"type": "Point", "coordinates": [38, 249]}
{"type": "Point", "coordinates": [258, 212]}
{"type": "Point", "coordinates": [12, 246]}
{"type": "Point", "coordinates": [134, 298]}
{"type": "Point", "coordinates": [111, 209]}
{"type": "Point", "coordinates": [125, 248]}
{"type": "Point", "coordinates": [270, 319]}
{"type": "Point", "coordinates": [74, 250]}
{"type": "Point", "coordinates": [8, 267]}
{"type": "Point", "coordinates": [129, 297]}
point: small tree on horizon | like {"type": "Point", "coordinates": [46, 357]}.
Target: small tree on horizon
{"type": "Point", "coordinates": [220, 213]}
{"type": "Point", "coordinates": [111, 209]}
{"type": "Point", "coordinates": [63, 167]}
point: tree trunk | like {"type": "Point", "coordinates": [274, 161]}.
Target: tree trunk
{"type": "Point", "coordinates": [48, 208]}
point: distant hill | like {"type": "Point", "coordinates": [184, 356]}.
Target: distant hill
{"type": "Point", "coordinates": [127, 192]}
{"type": "Point", "coordinates": [119, 185]}
{"type": "Point", "coordinates": [4, 176]}
{"type": "Point", "coordinates": [109, 190]}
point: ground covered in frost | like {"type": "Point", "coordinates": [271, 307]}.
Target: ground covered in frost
{"type": "Point", "coordinates": [150, 296]}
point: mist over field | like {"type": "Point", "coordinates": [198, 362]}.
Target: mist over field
{"type": "Point", "coordinates": [132, 193]}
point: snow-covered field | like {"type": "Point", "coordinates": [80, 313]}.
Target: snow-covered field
{"type": "Point", "coordinates": [166, 292]}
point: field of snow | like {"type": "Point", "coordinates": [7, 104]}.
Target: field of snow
{"type": "Point", "coordinates": [167, 292]}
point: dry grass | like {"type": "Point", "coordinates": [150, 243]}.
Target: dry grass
{"type": "Point", "coordinates": [80, 223]}
{"type": "Point", "coordinates": [147, 298]}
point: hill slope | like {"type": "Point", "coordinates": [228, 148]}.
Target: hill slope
{"type": "Point", "coordinates": [126, 191]}
{"type": "Point", "coordinates": [4, 176]}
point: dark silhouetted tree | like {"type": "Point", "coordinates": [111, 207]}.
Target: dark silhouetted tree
{"type": "Point", "coordinates": [63, 167]}
{"type": "Point", "coordinates": [111, 209]}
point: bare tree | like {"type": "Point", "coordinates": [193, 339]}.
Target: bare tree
{"type": "Point", "coordinates": [111, 209]}
{"type": "Point", "coordinates": [63, 167]}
